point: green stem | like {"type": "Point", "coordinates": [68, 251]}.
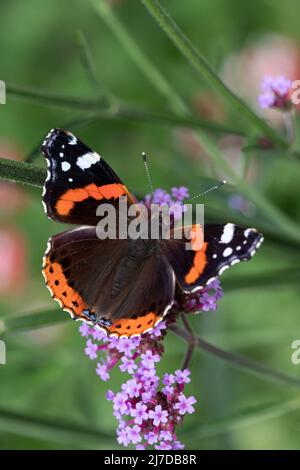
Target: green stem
{"type": "Point", "coordinates": [87, 61]}
{"type": "Point", "coordinates": [190, 52]}
{"type": "Point", "coordinates": [57, 100]}
{"type": "Point", "coordinates": [31, 321]}
{"type": "Point", "coordinates": [137, 55]}
{"type": "Point", "coordinates": [19, 172]}
{"type": "Point", "coordinates": [100, 110]}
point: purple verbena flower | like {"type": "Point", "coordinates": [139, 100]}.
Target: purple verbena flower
{"type": "Point", "coordinates": [128, 365]}
{"type": "Point", "coordinates": [275, 92]}
{"type": "Point", "coordinates": [91, 349]}
{"type": "Point", "coordinates": [168, 379]}
{"type": "Point", "coordinates": [132, 388]}
{"type": "Point", "coordinates": [120, 403]}
{"type": "Point", "coordinates": [184, 404]}
{"type": "Point", "coordinates": [182, 376]}
{"type": "Point", "coordinates": [133, 433]}
{"type": "Point", "coordinates": [165, 436]}
{"type": "Point", "coordinates": [84, 329]}
{"type": "Point", "coordinates": [163, 446]}
{"type": "Point", "coordinates": [102, 371]}
{"type": "Point", "coordinates": [158, 415]}
{"type": "Point", "coordinates": [180, 193]}
{"type": "Point", "coordinates": [151, 437]}
{"type": "Point", "coordinates": [139, 413]}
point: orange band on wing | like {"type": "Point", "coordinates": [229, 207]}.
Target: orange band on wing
{"type": "Point", "coordinates": [133, 326]}
{"type": "Point", "coordinates": [57, 283]}
{"type": "Point", "coordinates": [197, 237]}
{"type": "Point", "coordinates": [67, 201]}
{"type": "Point", "coordinates": [198, 265]}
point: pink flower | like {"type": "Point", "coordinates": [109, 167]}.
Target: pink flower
{"type": "Point", "coordinates": [127, 365]}
{"type": "Point", "coordinates": [158, 415]}
{"type": "Point", "coordinates": [132, 387]}
{"type": "Point", "coordinates": [84, 329]}
{"type": "Point", "coordinates": [184, 404]}
{"type": "Point", "coordinates": [139, 413]}
{"type": "Point", "coordinates": [151, 437]}
{"type": "Point", "coordinates": [275, 92]}
{"type": "Point", "coordinates": [163, 446]}
{"type": "Point", "coordinates": [133, 434]}
{"type": "Point", "coordinates": [102, 371]}
{"type": "Point", "coordinates": [91, 349]}
{"type": "Point", "coordinates": [182, 376]}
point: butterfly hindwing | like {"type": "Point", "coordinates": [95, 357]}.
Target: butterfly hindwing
{"type": "Point", "coordinates": [210, 252]}
{"type": "Point", "coordinates": [78, 180]}
{"type": "Point", "coordinates": [83, 272]}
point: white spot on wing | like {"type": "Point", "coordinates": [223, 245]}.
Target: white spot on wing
{"type": "Point", "coordinates": [248, 231]}
{"type": "Point", "coordinates": [235, 261]}
{"type": "Point", "coordinates": [223, 269]}
{"type": "Point", "coordinates": [227, 252]}
{"type": "Point", "coordinates": [87, 160]}
{"type": "Point", "coordinates": [227, 234]}
{"type": "Point", "coordinates": [45, 207]}
{"type": "Point", "coordinates": [65, 166]}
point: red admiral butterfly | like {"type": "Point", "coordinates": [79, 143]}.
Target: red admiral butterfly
{"type": "Point", "coordinates": [124, 286]}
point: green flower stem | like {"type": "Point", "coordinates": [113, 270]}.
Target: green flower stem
{"type": "Point", "coordinates": [137, 55]}
{"type": "Point", "coordinates": [24, 173]}
{"type": "Point", "coordinates": [87, 61]}
{"type": "Point", "coordinates": [31, 321]}
{"type": "Point", "coordinates": [100, 109]}
{"type": "Point", "coordinates": [50, 99]}
{"type": "Point", "coordinates": [190, 52]}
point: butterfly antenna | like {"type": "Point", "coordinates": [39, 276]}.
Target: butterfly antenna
{"type": "Point", "coordinates": [145, 160]}
{"type": "Point", "coordinates": [216, 187]}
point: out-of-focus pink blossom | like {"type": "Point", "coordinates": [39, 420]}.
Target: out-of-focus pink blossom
{"type": "Point", "coordinates": [269, 55]}
{"type": "Point", "coordinates": [13, 260]}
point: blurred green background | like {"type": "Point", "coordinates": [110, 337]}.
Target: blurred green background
{"type": "Point", "coordinates": [50, 396]}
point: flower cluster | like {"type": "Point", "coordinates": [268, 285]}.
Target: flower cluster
{"type": "Point", "coordinates": [174, 201]}
{"type": "Point", "coordinates": [276, 92]}
{"type": "Point", "coordinates": [203, 300]}
{"type": "Point", "coordinates": [148, 410]}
